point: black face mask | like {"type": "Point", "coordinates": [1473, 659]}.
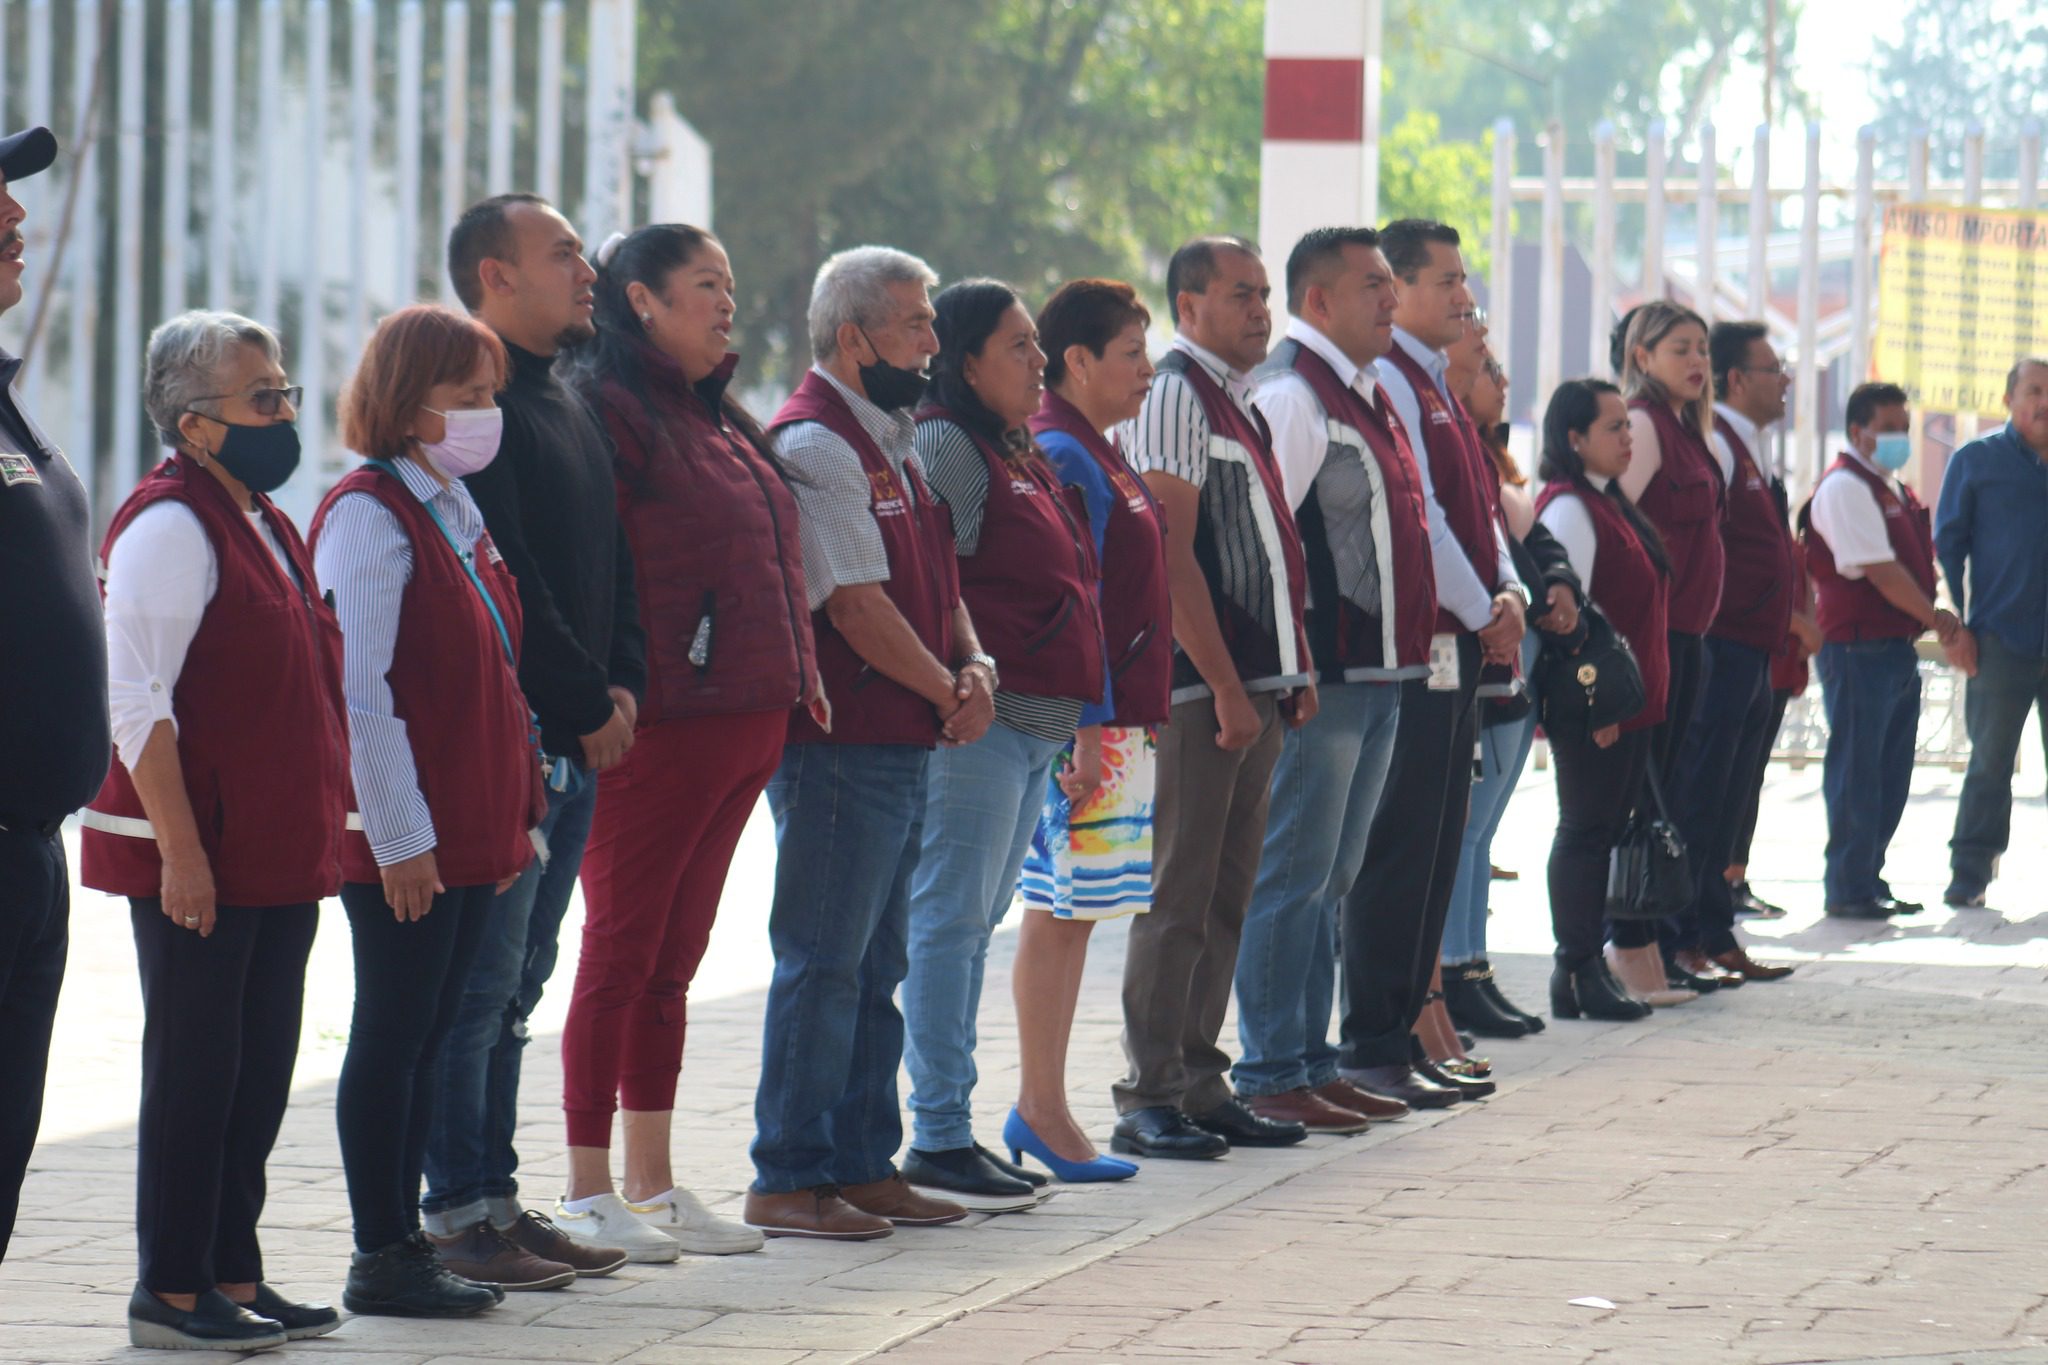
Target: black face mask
{"type": "Point", "coordinates": [891, 387]}
{"type": "Point", "coordinates": [261, 457]}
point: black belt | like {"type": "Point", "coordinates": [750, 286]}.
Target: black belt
{"type": "Point", "coordinates": [21, 824]}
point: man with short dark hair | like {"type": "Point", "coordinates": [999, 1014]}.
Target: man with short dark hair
{"type": "Point", "coordinates": [1991, 532]}
{"type": "Point", "coordinates": [1871, 552]}
{"type": "Point", "coordinates": [548, 500]}
{"type": "Point", "coordinates": [1240, 678]}
{"type": "Point", "coordinates": [53, 709]}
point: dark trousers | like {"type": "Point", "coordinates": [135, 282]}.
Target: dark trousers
{"type": "Point", "coordinates": [1391, 925]}
{"type": "Point", "coordinates": [1667, 739]}
{"type": "Point", "coordinates": [1716, 763]}
{"type": "Point", "coordinates": [35, 917]}
{"type": "Point", "coordinates": [409, 981]}
{"type": "Point", "coordinates": [220, 1035]}
{"type": "Point", "coordinates": [1757, 764]}
{"type": "Point", "coordinates": [2007, 686]}
{"type": "Point", "coordinates": [1872, 691]}
{"type": "Point", "coordinates": [1596, 792]}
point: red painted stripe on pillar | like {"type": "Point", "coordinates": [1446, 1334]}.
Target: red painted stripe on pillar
{"type": "Point", "coordinates": [1315, 99]}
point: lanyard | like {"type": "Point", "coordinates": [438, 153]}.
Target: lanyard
{"type": "Point", "coordinates": [467, 558]}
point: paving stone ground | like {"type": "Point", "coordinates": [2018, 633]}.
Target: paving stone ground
{"type": "Point", "coordinates": [1851, 1165]}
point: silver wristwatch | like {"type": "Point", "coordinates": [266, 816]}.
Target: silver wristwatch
{"type": "Point", "coordinates": [986, 661]}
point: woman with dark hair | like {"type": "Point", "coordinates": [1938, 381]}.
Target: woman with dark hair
{"type": "Point", "coordinates": [1091, 857]}
{"type": "Point", "coordinates": [1029, 577]}
{"type": "Point", "coordinates": [1618, 555]}
{"type": "Point", "coordinates": [716, 555]}
{"type": "Point", "coordinates": [1666, 373]}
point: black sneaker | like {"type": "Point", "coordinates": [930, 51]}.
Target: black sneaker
{"type": "Point", "coordinates": [407, 1280]}
{"type": "Point", "coordinates": [966, 1176]}
{"type": "Point", "coordinates": [1035, 1179]}
{"type": "Point", "coordinates": [215, 1323]}
{"type": "Point", "coordinates": [1963, 895]}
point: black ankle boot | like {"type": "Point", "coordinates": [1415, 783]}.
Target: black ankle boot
{"type": "Point", "coordinates": [407, 1280]}
{"type": "Point", "coordinates": [1491, 985]}
{"type": "Point", "coordinates": [1585, 989]}
{"type": "Point", "coordinates": [1472, 1009]}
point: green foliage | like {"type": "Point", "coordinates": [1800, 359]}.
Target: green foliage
{"type": "Point", "coordinates": [1425, 175]}
{"type": "Point", "coordinates": [1956, 63]}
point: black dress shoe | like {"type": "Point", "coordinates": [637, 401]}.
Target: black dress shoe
{"type": "Point", "coordinates": [407, 1280]}
{"type": "Point", "coordinates": [1892, 905]}
{"type": "Point", "coordinates": [1964, 895]}
{"type": "Point", "coordinates": [1679, 979]}
{"type": "Point", "coordinates": [1035, 1179]}
{"type": "Point", "coordinates": [299, 1320]}
{"type": "Point", "coordinates": [968, 1177]}
{"type": "Point", "coordinates": [1866, 910]}
{"type": "Point", "coordinates": [1749, 905]}
{"type": "Point", "coordinates": [1164, 1131]}
{"type": "Point", "coordinates": [216, 1323]}
{"type": "Point", "coordinates": [1472, 1008]}
{"type": "Point", "coordinates": [1402, 1083]}
{"type": "Point", "coordinates": [1471, 1088]}
{"type": "Point", "coordinates": [1240, 1127]}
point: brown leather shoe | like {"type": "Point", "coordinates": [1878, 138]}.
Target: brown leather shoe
{"type": "Point", "coordinates": [1308, 1109]}
{"type": "Point", "coordinates": [485, 1255]}
{"type": "Point", "coordinates": [1345, 1095]}
{"type": "Point", "coordinates": [1699, 964]}
{"type": "Point", "coordinates": [537, 1233]}
{"type": "Point", "coordinates": [818, 1213]}
{"type": "Point", "coordinates": [1739, 960]}
{"type": "Point", "coordinates": [893, 1199]}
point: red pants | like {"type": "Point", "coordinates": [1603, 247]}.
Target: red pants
{"type": "Point", "coordinates": [661, 841]}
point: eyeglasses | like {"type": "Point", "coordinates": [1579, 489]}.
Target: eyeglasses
{"type": "Point", "coordinates": [1780, 369]}
{"type": "Point", "coordinates": [265, 402]}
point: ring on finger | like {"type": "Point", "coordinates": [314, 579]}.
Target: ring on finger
{"type": "Point", "coordinates": [191, 921]}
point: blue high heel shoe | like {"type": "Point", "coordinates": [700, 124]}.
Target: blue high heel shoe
{"type": "Point", "coordinates": [1019, 1138]}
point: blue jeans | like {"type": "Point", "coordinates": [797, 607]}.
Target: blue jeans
{"type": "Point", "coordinates": [2008, 685]}
{"type": "Point", "coordinates": [981, 804]}
{"type": "Point", "coordinates": [849, 820]}
{"type": "Point", "coordinates": [1871, 690]}
{"type": "Point", "coordinates": [1503, 752]}
{"type": "Point", "coordinates": [469, 1148]}
{"type": "Point", "coordinates": [1325, 790]}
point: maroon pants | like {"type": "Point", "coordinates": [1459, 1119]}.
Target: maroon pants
{"type": "Point", "coordinates": [661, 841]}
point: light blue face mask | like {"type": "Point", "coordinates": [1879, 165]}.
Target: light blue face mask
{"type": "Point", "coordinates": [1892, 450]}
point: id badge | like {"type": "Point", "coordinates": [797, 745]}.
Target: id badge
{"type": "Point", "coordinates": [1443, 663]}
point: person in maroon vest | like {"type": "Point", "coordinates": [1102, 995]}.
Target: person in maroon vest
{"type": "Point", "coordinates": [905, 672]}
{"type": "Point", "coordinates": [1674, 478]}
{"type": "Point", "coordinates": [1242, 676]}
{"type": "Point", "coordinates": [1091, 857]}
{"type": "Point", "coordinates": [1621, 560]}
{"type": "Point", "coordinates": [1757, 611]}
{"type": "Point", "coordinates": [1356, 495]}
{"type": "Point", "coordinates": [1870, 547]}
{"type": "Point", "coordinates": [1394, 932]}
{"type": "Point", "coordinates": [717, 560]}
{"type": "Point", "coordinates": [1031, 578]}
{"type": "Point", "coordinates": [447, 784]}
{"type": "Point", "coordinates": [221, 819]}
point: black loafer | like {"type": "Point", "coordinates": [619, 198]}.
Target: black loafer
{"type": "Point", "coordinates": [1865, 910]}
{"type": "Point", "coordinates": [216, 1323]}
{"type": "Point", "coordinates": [966, 1176]}
{"type": "Point", "coordinates": [1892, 905]}
{"type": "Point", "coordinates": [1403, 1084]}
{"type": "Point", "coordinates": [299, 1320]}
{"type": "Point", "coordinates": [1240, 1127]}
{"type": "Point", "coordinates": [1035, 1179]}
{"type": "Point", "coordinates": [1164, 1131]}
{"type": "Point", "coordinates": [1466, 1086]}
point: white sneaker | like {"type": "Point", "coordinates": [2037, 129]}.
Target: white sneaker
{"type": "Point", "coordinates": [683, 1219]}
{"type": "Point", "coordinates": [610, 1222]}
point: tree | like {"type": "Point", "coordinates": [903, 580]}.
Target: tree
{"type": "Point", "coordinates": [1425, 175]}
{"type": "Point", "coordinates": [1956, 63]}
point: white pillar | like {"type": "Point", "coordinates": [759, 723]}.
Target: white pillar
{"type": "Point", "coordinates": [82, 252]}
{"type": "Point", "coordinates": [498, 174]}
{"type": "Point", "coordinates": [41, 227]}
{"type": "Point", "coordinates": [310, 362]}
{"type": "Point", "coordinates": [1654, 206]}
{"type": "Point", "coordinates": [547, 155]}
{"type": "Point", "coordinates": [1550, 281]}
{"type": "Point", "coordinates": [177, 125]}
{"type": "Point", "coordinates": [128, 458]}
{"type": "Point", "coordinates": [1861, 264]}
{"type": "Point", "coordinates": [1808, 381]}
{"type": "Point", "coordinates": [603, 149]}
{"type": "Point", "coordinates": [1973, 197]}
{"type": "Point", "coordinates": [362, 115]}
{"type": "Point", "coordinates": [1708, 211]}
{"type": "Point", "coordinates": [405, 281]}
{"type": "Point", "coordinates": [2030, 163]}
{"type": "Point", "coordinates": [1916, 167]}
{"type": "Point", "coordinates": [454, 126]}
{"type": "Point", "coordinates": [1500, 288]}
{"type": "Point", "coordinates": [220, 157]}
{"type": "Point", "coordinates": [680, 177]}
{"type": "Point", "coordinates": [271, 146]}
{"type": "Point", "coordinates": [1600, 323]}
{"type": "Point", "coordinates": [1760, 216]}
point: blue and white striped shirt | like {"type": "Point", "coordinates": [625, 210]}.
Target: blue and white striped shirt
{"type": "Point", "coordinates": [365, 560]}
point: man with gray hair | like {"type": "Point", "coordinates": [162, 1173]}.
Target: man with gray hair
{"type": "Point", "coordinates": [902, 673]}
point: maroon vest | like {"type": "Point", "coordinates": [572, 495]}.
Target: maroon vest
{"type": "Point", "coordinates": [1852, 609]}
{"type": "Point", "coordinates": [1685, 502]}
{"type": "Point", "coordinates": [716, 553]}
{"type": "Point", "coordinates": [1463, 476]}
{"type": "Point", "coordinates": [262, 724]}
{"type": "Point", "coordinates": [1396, 634]}
{"type": "Point", "coordinates": [923, 584]}
{"type": "Point", "coordinates": [1031, 584]}
{"type": "Point", "coordinates": [466, 721]}
{"type": "Point", "coordinates": [1757, 583]}
{"type": "Point", "coordinates": [1137, 613]}
{"type": "Point", "coordinates": [1629, 590]}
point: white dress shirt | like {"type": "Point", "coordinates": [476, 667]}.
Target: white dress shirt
{"type": "Point", "coordinates": [1751, 436]}
{"type": "Point", "coordinates": [1846, 516]}
{"type": "Point", "coordinates": [1301, 433]}
{"type": "Point", "coordinates": [1568, 518]}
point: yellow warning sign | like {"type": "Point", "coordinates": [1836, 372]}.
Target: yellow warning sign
{"type": "Point", "coordinates": [1962, 294]}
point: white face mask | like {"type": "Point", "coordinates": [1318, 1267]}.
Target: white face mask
{"type": "Point", "coordinates": [470, 442]}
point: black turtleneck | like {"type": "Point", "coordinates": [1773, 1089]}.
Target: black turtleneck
{"type": "Point", "coordinates": [548, 500]}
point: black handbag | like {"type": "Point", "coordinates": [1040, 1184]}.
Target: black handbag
{"type": "Point", "coordinates": [1648, 874]}
{"type": "Point", "coordinates": [1589, 685]}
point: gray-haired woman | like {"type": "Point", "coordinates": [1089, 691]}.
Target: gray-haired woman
{"type": "Point", "coordinates": [221, 819]}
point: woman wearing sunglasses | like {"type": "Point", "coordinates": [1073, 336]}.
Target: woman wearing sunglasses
{"type": "Point", "coordinates": [221, 822]}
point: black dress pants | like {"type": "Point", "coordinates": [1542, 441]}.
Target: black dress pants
{"type": "Point", "coordinates": [1595, 794]}
{"type": "Point", "coordinates": [1667, 743]}
{"type": "Point", "coordinates": [35, 919]}
{"type": "Point", "coordinates": [1758, 765]}
{"type": "Point", "coordinates": [409, 981]}
{"type": "Point", "coordinates": [220, 1035]}
{"type": "Point", "coordinates": [1391, 924]}
{"type": "Point", "coordinates": [1718, 762]}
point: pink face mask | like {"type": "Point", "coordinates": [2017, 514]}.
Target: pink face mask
{"type": "Point", "coordinates": [469, 444]}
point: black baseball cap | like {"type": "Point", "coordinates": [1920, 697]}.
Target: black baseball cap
{"type": "Point", "coordinates": [28, 153]}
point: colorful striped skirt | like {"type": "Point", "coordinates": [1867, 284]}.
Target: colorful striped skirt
{"type": "Point", "coordinates": [1095, 862]}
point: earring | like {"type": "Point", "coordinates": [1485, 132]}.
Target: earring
{"type": "Point", "coordinates": [647, 319]}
